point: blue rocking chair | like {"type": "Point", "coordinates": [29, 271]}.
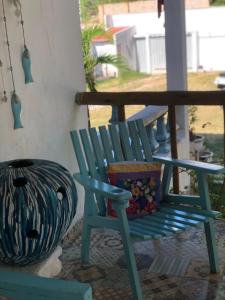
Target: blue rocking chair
{"type": "Point", "coordinates": [127, 142]}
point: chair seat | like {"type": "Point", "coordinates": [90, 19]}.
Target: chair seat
{"type": "Point", "coordinates": [169, 220]}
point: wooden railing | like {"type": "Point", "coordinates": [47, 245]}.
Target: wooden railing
{"type": "Point", "coordinates": [170, 99]}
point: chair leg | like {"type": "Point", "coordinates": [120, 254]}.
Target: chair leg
{"type": "Point", "coordinates": [211, 245]}
{"type": "Point", "coordinates": [129, 254]}
{"type": "Point", "coordinates": [85, 248]}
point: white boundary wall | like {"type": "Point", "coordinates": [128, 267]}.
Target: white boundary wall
{"type": "Point", "coordinates": [207, 27]}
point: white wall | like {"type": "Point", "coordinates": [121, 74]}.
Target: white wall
{"type": "Point", "coordinates": [53, 36]}
{"type": "Point", "coordinates": [205, 21]}
{"type": "Point", "coordinates": [105, 70]}
{"type": "Point", "coordinates": [206, 25]}
{"type": "Point", "coordinates": [126, 46]}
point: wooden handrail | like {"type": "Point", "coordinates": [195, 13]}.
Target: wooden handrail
{"type": "Point", "coordinates": [152, 98]}
{"type": "Point", "coordinates": [167, 98]}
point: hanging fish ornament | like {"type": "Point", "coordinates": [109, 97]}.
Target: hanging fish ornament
{"type": "Point", "coordinates": [16, 110]}
{"type": "Point", "coordinates": [26, 63]}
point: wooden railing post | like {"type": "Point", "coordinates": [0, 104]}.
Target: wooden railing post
{"type": "Point", "coordinates": [174, 151]}
{"type": "Point", "coordinates": [118, 114]}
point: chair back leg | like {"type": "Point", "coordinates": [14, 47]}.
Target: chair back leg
{"type": "Point", "coordinates": [211, 245]}
{"type": "Point", "coordinates": [209, 226]}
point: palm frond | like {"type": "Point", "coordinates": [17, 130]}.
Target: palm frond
{"type": "Point", "coordinates": [114, 60]}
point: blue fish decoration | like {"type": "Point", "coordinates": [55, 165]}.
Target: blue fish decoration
{"type": "Point", "coordinates": [26, 63]}
{"type": "Point", "coordinates": [16, 110]}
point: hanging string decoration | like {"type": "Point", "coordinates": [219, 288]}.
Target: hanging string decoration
{"type": "Point", "coordinates": [15, 101]}
{"type": "Point", "coordinates": [4, 96]}
{"type": "Point", "coordinates": [16, 4]}
{"type": "Point", "coordinates": [26, 59]}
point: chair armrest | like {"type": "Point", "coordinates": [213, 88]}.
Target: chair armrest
{"type": "Point", "coordinates": [105, 189]}
{"type": "Point", "coordinates": [191, 165]}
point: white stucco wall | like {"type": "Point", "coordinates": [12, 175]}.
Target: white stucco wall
{"type": "Point", "coordinates": [206, 25]}
{"type": "Point", "coordinates": [52, 30]}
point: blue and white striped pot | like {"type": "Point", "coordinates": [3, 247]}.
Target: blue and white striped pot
{"type": "Point", "coordinates": [38, 202]}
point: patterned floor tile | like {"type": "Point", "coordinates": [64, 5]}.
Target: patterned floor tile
{"type": "Point", "coordinates": [192, 289]}
{"type": "Point", "coordinates": [169, 265]}
{"type": "Point", "coordinates": [109, 294]}
{"type": "Point", "coordinates": [108, 275]}
{"type": "Point", "coordinates": [200, 269]}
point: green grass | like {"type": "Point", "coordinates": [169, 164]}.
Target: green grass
{"type": "Point", "coordinates": [124, 78]}
{"type": "Point", "coordinates": [134, 81]}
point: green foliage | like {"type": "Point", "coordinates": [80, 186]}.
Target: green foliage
{"type": "Point", "coordinates": [217, 2]}
{"type": "Point", "coordinates": [91, 61]}
{"type": "Point", "coordinates": [88, 9]}
{"type": "Point", "coordinates": [192, 114]}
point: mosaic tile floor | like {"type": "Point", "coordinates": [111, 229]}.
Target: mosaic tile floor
{"type": "Point", "coordinates": [107, 272]}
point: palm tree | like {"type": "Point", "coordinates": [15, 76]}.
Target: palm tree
{"type": "Point", "coordinates": [91, 61]}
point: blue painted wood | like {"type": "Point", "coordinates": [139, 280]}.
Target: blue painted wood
{"type": "Point", "coordinates": [19, 286]}
{"type": "Point", "coordinates": [106, 144]}
{"type": "Point", "coordinates": [209, 227]}
{"type": "Point", "coordinates": [98, 221]}
{"type": "Point", "coordinates": [126, 143]}
{"type": "Point", "coordinates": [144, 140]}
{"type": "Point", "coordinates": [135, 138]}
{"type": "Point", "coordinates": [90, 158]}
{"type": "Point", "coordinates": [90, 209]}
{"type": "Point", "coordinates": [195, 210]}
{"type": "Point", "coordinates": [105, 189]}
{"type": "Point", "coordinates": [178, 219]}
{"type": "Point", "coordinates": [150, 227]}
{"type": "Point", "coordinates": [174, 215]}
{"type": "Point", "coordinates": [113, 130]}
{"type": "Point", "coordinates": [191, 164]}
{"type": "Point", "coordinates": [182, 199]}
{"type": "Point", "coordinates": [166, 180]}
{"type": "Point", "coordinates": [185, 214]}
{"type": "Point", "coordinates": [98, 153]}
{"type": "Point", "coordinates": [176, 225]}
{"type": "Point", "coordinates": [78, 152]}
{"type": "Point", "coordinates": [149, 223]}
{"type": "Point", "coordinates": [129, 254]}
{"type": "Point", "coordinates": [91, 161]}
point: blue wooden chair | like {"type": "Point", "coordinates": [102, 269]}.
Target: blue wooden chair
{"type": "Point", "coordinates": [126, 142]}
{"type": "Point", "coordinates": [20, 286]}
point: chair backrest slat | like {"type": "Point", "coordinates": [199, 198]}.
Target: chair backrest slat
{"type": "Point", "coordinates": [90, 157]}
{"type": "Point", "coordinates": [144, 140]}
{"type": "Point", "coordinates": [135, 141]}
{"type": "Point", "coordinates": [92, 164]}
{"type": "Point", "coordinates": [126, 143]}
{"type": "Point", "coordinates": [78, 152]}
{"type": "Point", "coordinates": [106, 144]}
{"type": "Point", "coordinates": [113, 130]}
{"type": "Point", "coordinates": [97, 147]}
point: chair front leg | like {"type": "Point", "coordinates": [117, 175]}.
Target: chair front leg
{"type": "Point", "coordinates": [209, 226]}
{"type": "Point", "coordinates": [129, 253]}
{"type": "Point", "coordinates": [89, 210]}
{"type": "Point", "coordinates": [86, 238]}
